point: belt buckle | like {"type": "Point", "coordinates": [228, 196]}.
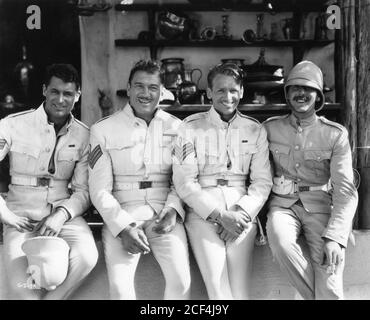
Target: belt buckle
{"type": "Point", "coordinates": [222, 182]}
{"type": "Point", "coordinates": [145, 184]}
{"type": "Point", "coordinates": [303, 188]}
{"type": "Point", "coordinates": [43, 182]}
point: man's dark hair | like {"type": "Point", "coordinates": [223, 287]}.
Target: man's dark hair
{"type": "Point", "coordinates": [227, 69]}
{"type": "Point", "coordinates": [63, 71]}
{"type": "Point", "coordinates": [148, 66]}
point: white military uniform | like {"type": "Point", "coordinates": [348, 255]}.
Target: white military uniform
{"type": "Point", "coordinates": [42, 165]}
{"type": "Point", "coordinates": [130, 171]}
{"type": "Point", "coordinates": [214, 161]}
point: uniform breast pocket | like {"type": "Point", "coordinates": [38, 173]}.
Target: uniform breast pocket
{"type": "Point", "coordinates": [165, 159]}
{"type": "Point", "coordinates": [126, 156]}
{"type": "Point", "coordinates": [318, 160]}
{"type": "Point", "coordinates": [246, 153]}
{"type": "Point", "coordinates": [211, 155]}
{"type": "Point", "coordinates": [24, 157]}
{"type": "Point", "coordinates": [280, 153]}
{"type": "Point", "coordinates": [66, 162]}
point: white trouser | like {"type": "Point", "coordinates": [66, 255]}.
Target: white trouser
{"type": "Point", "coordinates": [309, 277]}
{"type": "Point", "coordinates": [83, 256]}
{"type": "Point", "coordinates": [226, 267]}
{"type": "Point", "coordinates": [170, 250]}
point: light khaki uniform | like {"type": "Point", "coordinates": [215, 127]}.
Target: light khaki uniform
{"type": "Point", "coordinates": [130, 170]}
{"type": "Point", "coordinates": [42, 165]}
{"type": "Point", "coordinates": [306, 154]}
{"type": "Point", "coordinates": [214, 161]}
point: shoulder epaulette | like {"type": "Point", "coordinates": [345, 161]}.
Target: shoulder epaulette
{"type": "Point", "coordinates": [169, 114]}
{"type": "Point", "coordinates": [12, 115]}
{"type": "Point", "coordinates": [82, 124]}
{"type": "Point", "coordinates": [195, 116]}
{"type": "Point", "coordinates": [332, 123]}
{"type": "Point", "coordinates": [276, 118]}
{"type": "Point", "coordinates": [104, 118]}
{"type": "Point", "coordinates": [250, 118]}
{"type": "Point", "coordinates": [173, 117]}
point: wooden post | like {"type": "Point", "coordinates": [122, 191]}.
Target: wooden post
{"type": "Point", "coordinates": [346, 73]}
{"type": "Point", "coordinates": [363, 111]}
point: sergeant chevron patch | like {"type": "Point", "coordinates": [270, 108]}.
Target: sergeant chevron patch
{"type": "Point", "coordinates": [94, 156]}
{"type": "Point", "coordinates": [182, 153]}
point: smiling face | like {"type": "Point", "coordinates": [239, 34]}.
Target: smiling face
{"type": "Point", "coordinates": [144, 92]}
{"type": "Point", "coordinates": [60, 98]}
{"type": "Point", "coordinates": [302, 99]}
{"type": "Point", "coordinates": [225, 94]}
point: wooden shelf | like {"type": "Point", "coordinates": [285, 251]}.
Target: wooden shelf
{"type": "Point", "coordinates": [219, 43]}
{"type": "Point", "coordinates": [193, 108]}
{"type": "Point", "coordinates": [281, 6]}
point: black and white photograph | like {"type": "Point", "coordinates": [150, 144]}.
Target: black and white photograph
{"type": "Point", "coordinates": [202, 151]}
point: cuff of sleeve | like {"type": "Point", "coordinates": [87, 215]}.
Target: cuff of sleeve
{"type": "Point", "coordinates": [68, 215]}
{"type": "Point", "coordinates": [73, 207]}
{"type": "Point", "coordinates": [122, 220]}
{"type": "Point", "coordinates": [179, 209]}
{"type": "Point", "coordinates": [175, 203]}
{"type": "Point", "coordinates": [339, 239]}
{"type": "Point", "coordinates": [202, 204]}
{"type": "Point", "coordinates": [249, 205]}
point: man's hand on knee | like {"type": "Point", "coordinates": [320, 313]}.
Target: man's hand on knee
{"type": "Point", "coordinates": [134, 240]}
{"type": "Point", "coordinates": [234, 221]}
{"type": "Point", "coordinates": [166, 221]}
{"type": "Point", "coordinates": [333, 255]}
{"type": "Point", "coordinates": [225, 235]}
{"type": "Point", "coordinates": [52, 224]}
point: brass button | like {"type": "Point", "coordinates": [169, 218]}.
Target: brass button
{"type": "Point", "coordinates": [297, 165]}
{"type": "Point", "coordinates": [296, 147]}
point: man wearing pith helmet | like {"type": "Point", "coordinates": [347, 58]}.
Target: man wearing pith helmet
{"type": "Point", "coordinates": [313, 192]}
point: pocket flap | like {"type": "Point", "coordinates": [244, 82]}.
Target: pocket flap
{"type": "Point", "coordinates": [248, 148]}
{"type": "Point", "coordinates": [25, 149]}
{"type": "Point", "coordinates": [317, 155]}
{"type": "Point", "coordinates": [123, 144]}
{"type": "Point", "coordinates": [166, 140]}
{"type": "Point", "coordinates": [69, 155]}
{"type": "Point", "coordinates": [279, 148]}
